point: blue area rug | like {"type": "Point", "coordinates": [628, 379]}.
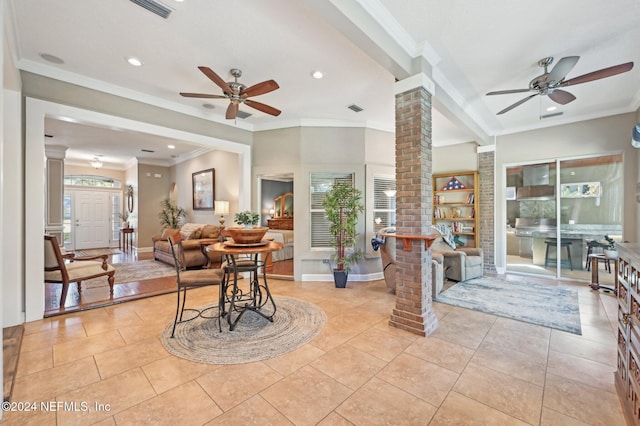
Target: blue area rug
{"type": "Point", "coordinates": [534, 303]}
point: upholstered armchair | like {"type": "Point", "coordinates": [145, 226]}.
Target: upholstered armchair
{"type": "Point", "coordinates": [459, 263]}
{"type": "Point", "coordinates": [388, 256]}
{"type": "Point", "coordinates": [57, 270]}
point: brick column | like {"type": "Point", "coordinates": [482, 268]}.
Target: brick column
{"type": "Point", "coordinates": [486, 173]}
{"type": "Point", "coordinates": [414, 206]}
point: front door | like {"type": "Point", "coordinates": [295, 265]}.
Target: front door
{"type": "Point", "coordinates": [92, 219]}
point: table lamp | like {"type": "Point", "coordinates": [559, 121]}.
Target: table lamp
{"type": "Point", "coordinates": [221, 208]}
{"type": "Point", "coordinates": [272, 212]}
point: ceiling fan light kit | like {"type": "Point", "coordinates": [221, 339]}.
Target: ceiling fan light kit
{"type": "Point", "coordinates": [550, 82]}
{"type": "Point", "coordinates": [237, 93]}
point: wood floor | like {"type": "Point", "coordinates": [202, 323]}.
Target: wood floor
{"type": "Point", "coordinates": [99, 297]}
{"type": "Point", "coordinates": [11, 342]}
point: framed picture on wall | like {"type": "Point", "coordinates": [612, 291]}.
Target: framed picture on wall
{"type": "Point", "coordinates": [204, 183]}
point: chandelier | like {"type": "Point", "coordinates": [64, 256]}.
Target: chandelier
{"type": "Point", "coordinates": [96, 163]}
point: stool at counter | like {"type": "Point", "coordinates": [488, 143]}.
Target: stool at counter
{"type": "Point", "coordinates": [552, 243]}
{"type": "Point", "coordinates": [594, 247]}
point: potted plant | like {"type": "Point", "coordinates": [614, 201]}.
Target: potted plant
{"type": "Point", "coordinates": [171, 215]}
{"type": "Point", "coordinates": [251, 234]}
{"type": "Point", "coordinates": [342, 206]}
{"type": "Point", "coordinates": [247, 218]}
{"type": "Point", "coordinates": [610, 249]}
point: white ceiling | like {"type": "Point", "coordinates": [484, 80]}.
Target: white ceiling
{"type": "Point", "coordinates": [362, 46]}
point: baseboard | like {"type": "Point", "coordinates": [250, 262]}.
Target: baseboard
{"type": "Point", "coordinates": [352, 277]}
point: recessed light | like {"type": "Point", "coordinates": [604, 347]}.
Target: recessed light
{"type": "Point", "coordinates": [51, 58]}
{"type": "Point", "coordinates": [552, 108]}
{"type": "Point", "coordinates": [134, 61]}
{"type": "Point", "coordinates": [317, 74]}
{"type": "Point", "coordinates": [171, 146]}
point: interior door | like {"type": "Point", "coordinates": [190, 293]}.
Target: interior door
{"type": "Point", "coordinates": [92, 216]}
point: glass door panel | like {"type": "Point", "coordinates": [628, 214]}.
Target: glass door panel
{"type": "Point", "coordinates": [590, 208]}
{"type": "Point", "coordinates": [531, 217]}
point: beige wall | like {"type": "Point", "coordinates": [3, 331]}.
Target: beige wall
{"type": "Point", "coordinates": [72, 169]}
{"type": "Point", "coordinates": [154, 184]}
{"type": "Point", "coordinates": [227, 188]}
{"type": "Point", "coordinates": [455, 158]}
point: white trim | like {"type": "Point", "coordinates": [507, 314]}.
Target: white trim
{"type": "Point", "coordinates": [35, 112]}
{"type": "Point", "coordinates": [374, 276]}
{"type": "Point", "coordinates": [413, 82]}
{"type": "Point", "coordinates": [486, 148]}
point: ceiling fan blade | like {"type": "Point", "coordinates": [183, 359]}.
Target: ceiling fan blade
{"type": "Point", "coordinates": [505, 92]}
{"type": "Point", "coordinates": [201, 95]}
{"type": "Point", "coordinates": [259, 89]}
{"type": "Point", "coordinates": [562, 68]}
{"type": "Point", "coordinates": [561, 97]}
{"type": "Point", "coordinates": [520, 102]}
{"type": "Point", "coordinates": [216, 79]}
{"type": "Point", "coordinates": [232, 111]}
{"type": "Point", "coordinates": [262, 107]}
{"type": "Point", "coordinates": [596, 75]}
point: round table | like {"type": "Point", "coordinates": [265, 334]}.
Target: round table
{"type": "Point", "coordinates": [239, 301]}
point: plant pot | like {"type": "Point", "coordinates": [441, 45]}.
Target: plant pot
{"type": "Point", "coordinates": [611, 254]}
{"type": "Point", "coordinates": [340, 278]}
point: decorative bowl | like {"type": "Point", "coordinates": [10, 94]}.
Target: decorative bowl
{"type": "Point", "coordinates": [247, 236]}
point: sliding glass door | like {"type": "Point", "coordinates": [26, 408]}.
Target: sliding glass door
{"type": "Point", "coordinates": [558, 213]}
{"type": "Point", "coordinates": [590, 195]}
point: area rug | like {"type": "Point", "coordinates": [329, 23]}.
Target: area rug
{"type": "Point", "coordinates": [134, 271]}
{"type": "Point", "coordinates": [530, 302]}
{"type": "Point", "coordinates": [254, 338]}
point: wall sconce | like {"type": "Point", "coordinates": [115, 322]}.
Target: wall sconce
{"type": "Point", "coordinates": [390, 193]}
{"type": "Point", "coordinates": [221, 208]}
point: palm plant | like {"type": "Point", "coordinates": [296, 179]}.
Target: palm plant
{"type": "Point", "coordinates": [342, 206]}
{"type": "Point", "coordinates": [171, 215]}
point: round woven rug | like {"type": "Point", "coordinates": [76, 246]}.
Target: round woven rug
{"type": "Point", "coordinates": [254, 338]}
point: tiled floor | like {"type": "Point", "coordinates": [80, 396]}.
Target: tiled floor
{"type": "Point", "coordinates": [475, 369]}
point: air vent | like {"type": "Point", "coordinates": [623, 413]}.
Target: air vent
{"type": "Point", "coordinates": [147, 150]}
{"type": "Point", "coordinates": [355, 108]}
{"type": "Point", "coordinates": [555, 114]}
{"type": "Point", "coordinates": [242, 114]}
{"type": "Point", "coordinates": [154, 7]}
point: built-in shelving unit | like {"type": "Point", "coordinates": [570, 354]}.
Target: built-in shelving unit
{"type": "Point", "coordinates": [455, 204]}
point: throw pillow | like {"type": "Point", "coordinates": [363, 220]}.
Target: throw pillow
{"type": "Point", "coordinates": [447, 235]}
{"type": "Point", "coordinates": [188, 228]}
{"type": "Point", "coordinates": [195, 235]}
{"type": "Point", "coordinates": [210, 231]}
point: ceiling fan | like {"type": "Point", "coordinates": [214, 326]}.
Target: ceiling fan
{"type": "Point", "coordinates": [550, 82]}
{"type": "Point", "coordinates": [238, 93]}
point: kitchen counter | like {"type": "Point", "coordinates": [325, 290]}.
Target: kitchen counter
{"type": "Point", "coordinates": [577, 237]}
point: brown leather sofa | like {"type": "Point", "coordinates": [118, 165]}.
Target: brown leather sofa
{"type": "Point", "coordinates": [194, 236]}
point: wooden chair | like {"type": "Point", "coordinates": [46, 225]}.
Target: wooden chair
{"type": "Point", "coordinates": [78, 269]}
{"type": "Point", "coordinates": [190, 279]}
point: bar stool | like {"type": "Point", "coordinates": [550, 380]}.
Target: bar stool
{"type": "Point", "coordinates": [594, 247]}
{"type": "Point", "coordinates": [553, 243]}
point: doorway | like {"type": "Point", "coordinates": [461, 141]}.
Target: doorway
{"type": "Point", "coordinates": [91, 218]}
{"type": "Point", "coordinates": [277, 204]}
{"type": "Point", "coordinates": [558, 211]}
